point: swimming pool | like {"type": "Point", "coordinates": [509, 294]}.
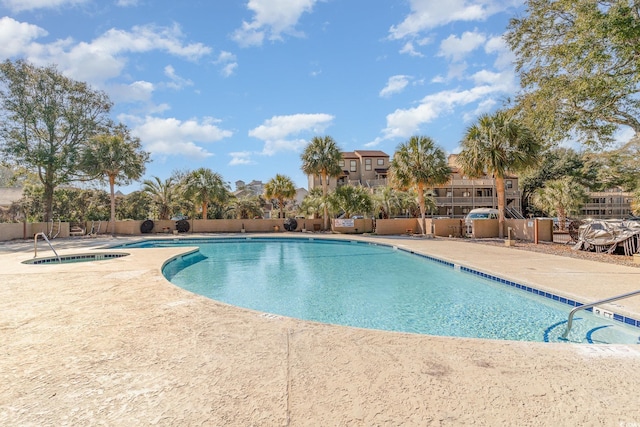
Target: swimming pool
{"type": "Point", "coordinates": [376, 286]}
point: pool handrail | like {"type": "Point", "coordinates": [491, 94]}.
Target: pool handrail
{"type": "Point", "coordinates": [593, 304]}
{"type": "Point", "coordinates": [35, 245]}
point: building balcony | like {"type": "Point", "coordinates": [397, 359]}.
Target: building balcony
{"type": "Point", "coordinates": [466, 201]}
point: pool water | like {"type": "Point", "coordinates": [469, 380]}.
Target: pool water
{"type": "Point", "coordinates": [379, 287]}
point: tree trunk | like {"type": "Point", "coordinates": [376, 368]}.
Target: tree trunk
{"type": "Point", "coordinates": [500, 191]}
{"type": "Point", "coordinates": [281, 202]}
{"type": "Point", "coordinates": [48, 202]}
{"type": "Point", "coordinates": [562, 219]}
{"type": "Point", "coordinates": [423, 224]}
{"type": "Point", "coordinates": [325, 185]}
{"type": "Point", "coordinates": [204, 210]}
{"type": "Point", "coordinates": [112, 219]}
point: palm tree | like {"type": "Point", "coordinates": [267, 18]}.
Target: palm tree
{"type": "Point", "coordinates": [388, 201]}
{"type": "Point", "coordinates": [350, 200]}
{"type": "Point", "coordinates": [497, 144]}
{"type": "Point", "coordinates": [322, 157]}
{"type": "Point", "coordinates": [280, 187]}
{"type": "Point", "coordinates": [163, 195]}
{"type": "Point", "coordinates": [313, 203]}
{"type": "Point", "coordinates": [117, 156]}
{"type": "Point", "coordinates": [246, 207]}
{"type": "Point", "coordinates": [560, 197]}
{"type": "Point", "coordinates": [204, 186]}
{"type": "Point", "coordinates": [419, 164]}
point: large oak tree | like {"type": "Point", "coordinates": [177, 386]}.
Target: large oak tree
{"type": "Point", "coordinates": [46, 120]}
{"type": "Point", "coordinates": [579, 66]}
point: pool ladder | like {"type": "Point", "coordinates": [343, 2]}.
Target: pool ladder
{"type": "Point", "coordinates": [35, 245]}
{"type": "Point", "coordinates": [593, 304]}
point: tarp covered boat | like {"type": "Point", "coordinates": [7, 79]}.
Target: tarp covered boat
{"type": "Point", "coordinates": [609, 235]}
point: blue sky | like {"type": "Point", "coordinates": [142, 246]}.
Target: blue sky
{"type": "Point", "coordinates": [242, 86]}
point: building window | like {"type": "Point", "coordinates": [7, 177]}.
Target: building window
{"type": "Point", "coordinates": [509, 183]}
{"type": "Point", "coordinates": [354, 167]}
{"type": "Point", "coordinates": [380, 162]}
{"type": "Point", "coordinates": [341, 163]}
{"type": "Point", "coordinates": [367, 164]}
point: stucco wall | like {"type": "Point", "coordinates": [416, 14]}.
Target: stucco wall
{"type": "Point", "coordinates": [219, 226]}
{"type": "Point", "coordinates": [524, 229]}
{"type": "Point", "coordinates": [521, 229]}
{"type": "Point", "coordinates": [396, 226]}
{"type": "Point", "coordinates": [15, 231]}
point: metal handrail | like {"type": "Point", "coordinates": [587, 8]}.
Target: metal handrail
{"type": "Point", "coordinates": [593, 304]}
{"type": "Point", "coordinates": [35, 245]}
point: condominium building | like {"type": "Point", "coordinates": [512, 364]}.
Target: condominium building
{"type": "Point", "coordinates": [361, 167]}
{"type": "Point", "coordinates": [612, 203]}
{"type": "Point", "coordinates": [453, 199]}
{"type": "Point", "coordinates": [461, 193]}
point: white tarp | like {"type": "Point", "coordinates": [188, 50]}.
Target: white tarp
{"type": "Point", "coordinates": [608, 235]}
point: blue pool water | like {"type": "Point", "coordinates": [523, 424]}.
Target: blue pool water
{"type": "Point", "coordinates": [375, 286]}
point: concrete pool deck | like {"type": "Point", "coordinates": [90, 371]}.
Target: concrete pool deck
{"type": "Point", "coordinates": [113, 343]}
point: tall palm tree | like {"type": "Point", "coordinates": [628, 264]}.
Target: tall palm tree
{"type": "Point", "coordinates": [163, 194]}
{"type": "Point", "coordinates": [280, 187]}
{"type": "Point", "coordinates": [322, 157]}
{"type": "Point", "coordinates": [204, 186]}
{"type": "Point", "coordinates": [117, 156]}
{"type": "Point", "coordinates": [560, 197]}
{"type": "Point", "coordinates": [497, 144]}
{"type": "Point", "coordinates": [350, 200]}
{"type": "Point", "coordinates": [419, 164]}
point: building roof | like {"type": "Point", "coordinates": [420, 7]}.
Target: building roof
{"type": "Point", "coordinates": [371, 153]}
{"type": "Point", "coordinates": [349, 155]}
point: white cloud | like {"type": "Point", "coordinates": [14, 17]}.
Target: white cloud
{"type": "Point", "coordinates": [395, 84]}
{"type": "Point", "coordinates": [241, 158]}
{"type": "Point", "coordinates": [279, 131]}
{"type": "Point", "coordinates": [177, 82]}
{"type": "Point", "coordinates": [505, 57]}
{"type": "Point", "coordinates": [455, 49]}
{"type": "Point", "coordinates": [410, 50]}
{"type": "Point", "coordinates": [485, 106]}
{"type": "Point", "coordinates": [24, 5]}
{"type": "Point", "coordinates": [15, 37]}
{"type": "Point", "coordinates": [428, 14]}
{"type": "Point", "coordinates": [272, 19]}
{"type": "Point", "coordinates": [170, 136]}
{"type": "Point", "coordinates": [100, 59]}
{"type": "Point", "coordinates": [127, 3]}
{"type": "Point", "coordinates": [138, 91]}
{"type": "Point", "coordinates": [228, 62]}
{"type": "Point", "coordinates": [406, 122]}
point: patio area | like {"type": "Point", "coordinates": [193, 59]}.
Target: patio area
{"type": "Point", "coordinates": [112, 342]}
